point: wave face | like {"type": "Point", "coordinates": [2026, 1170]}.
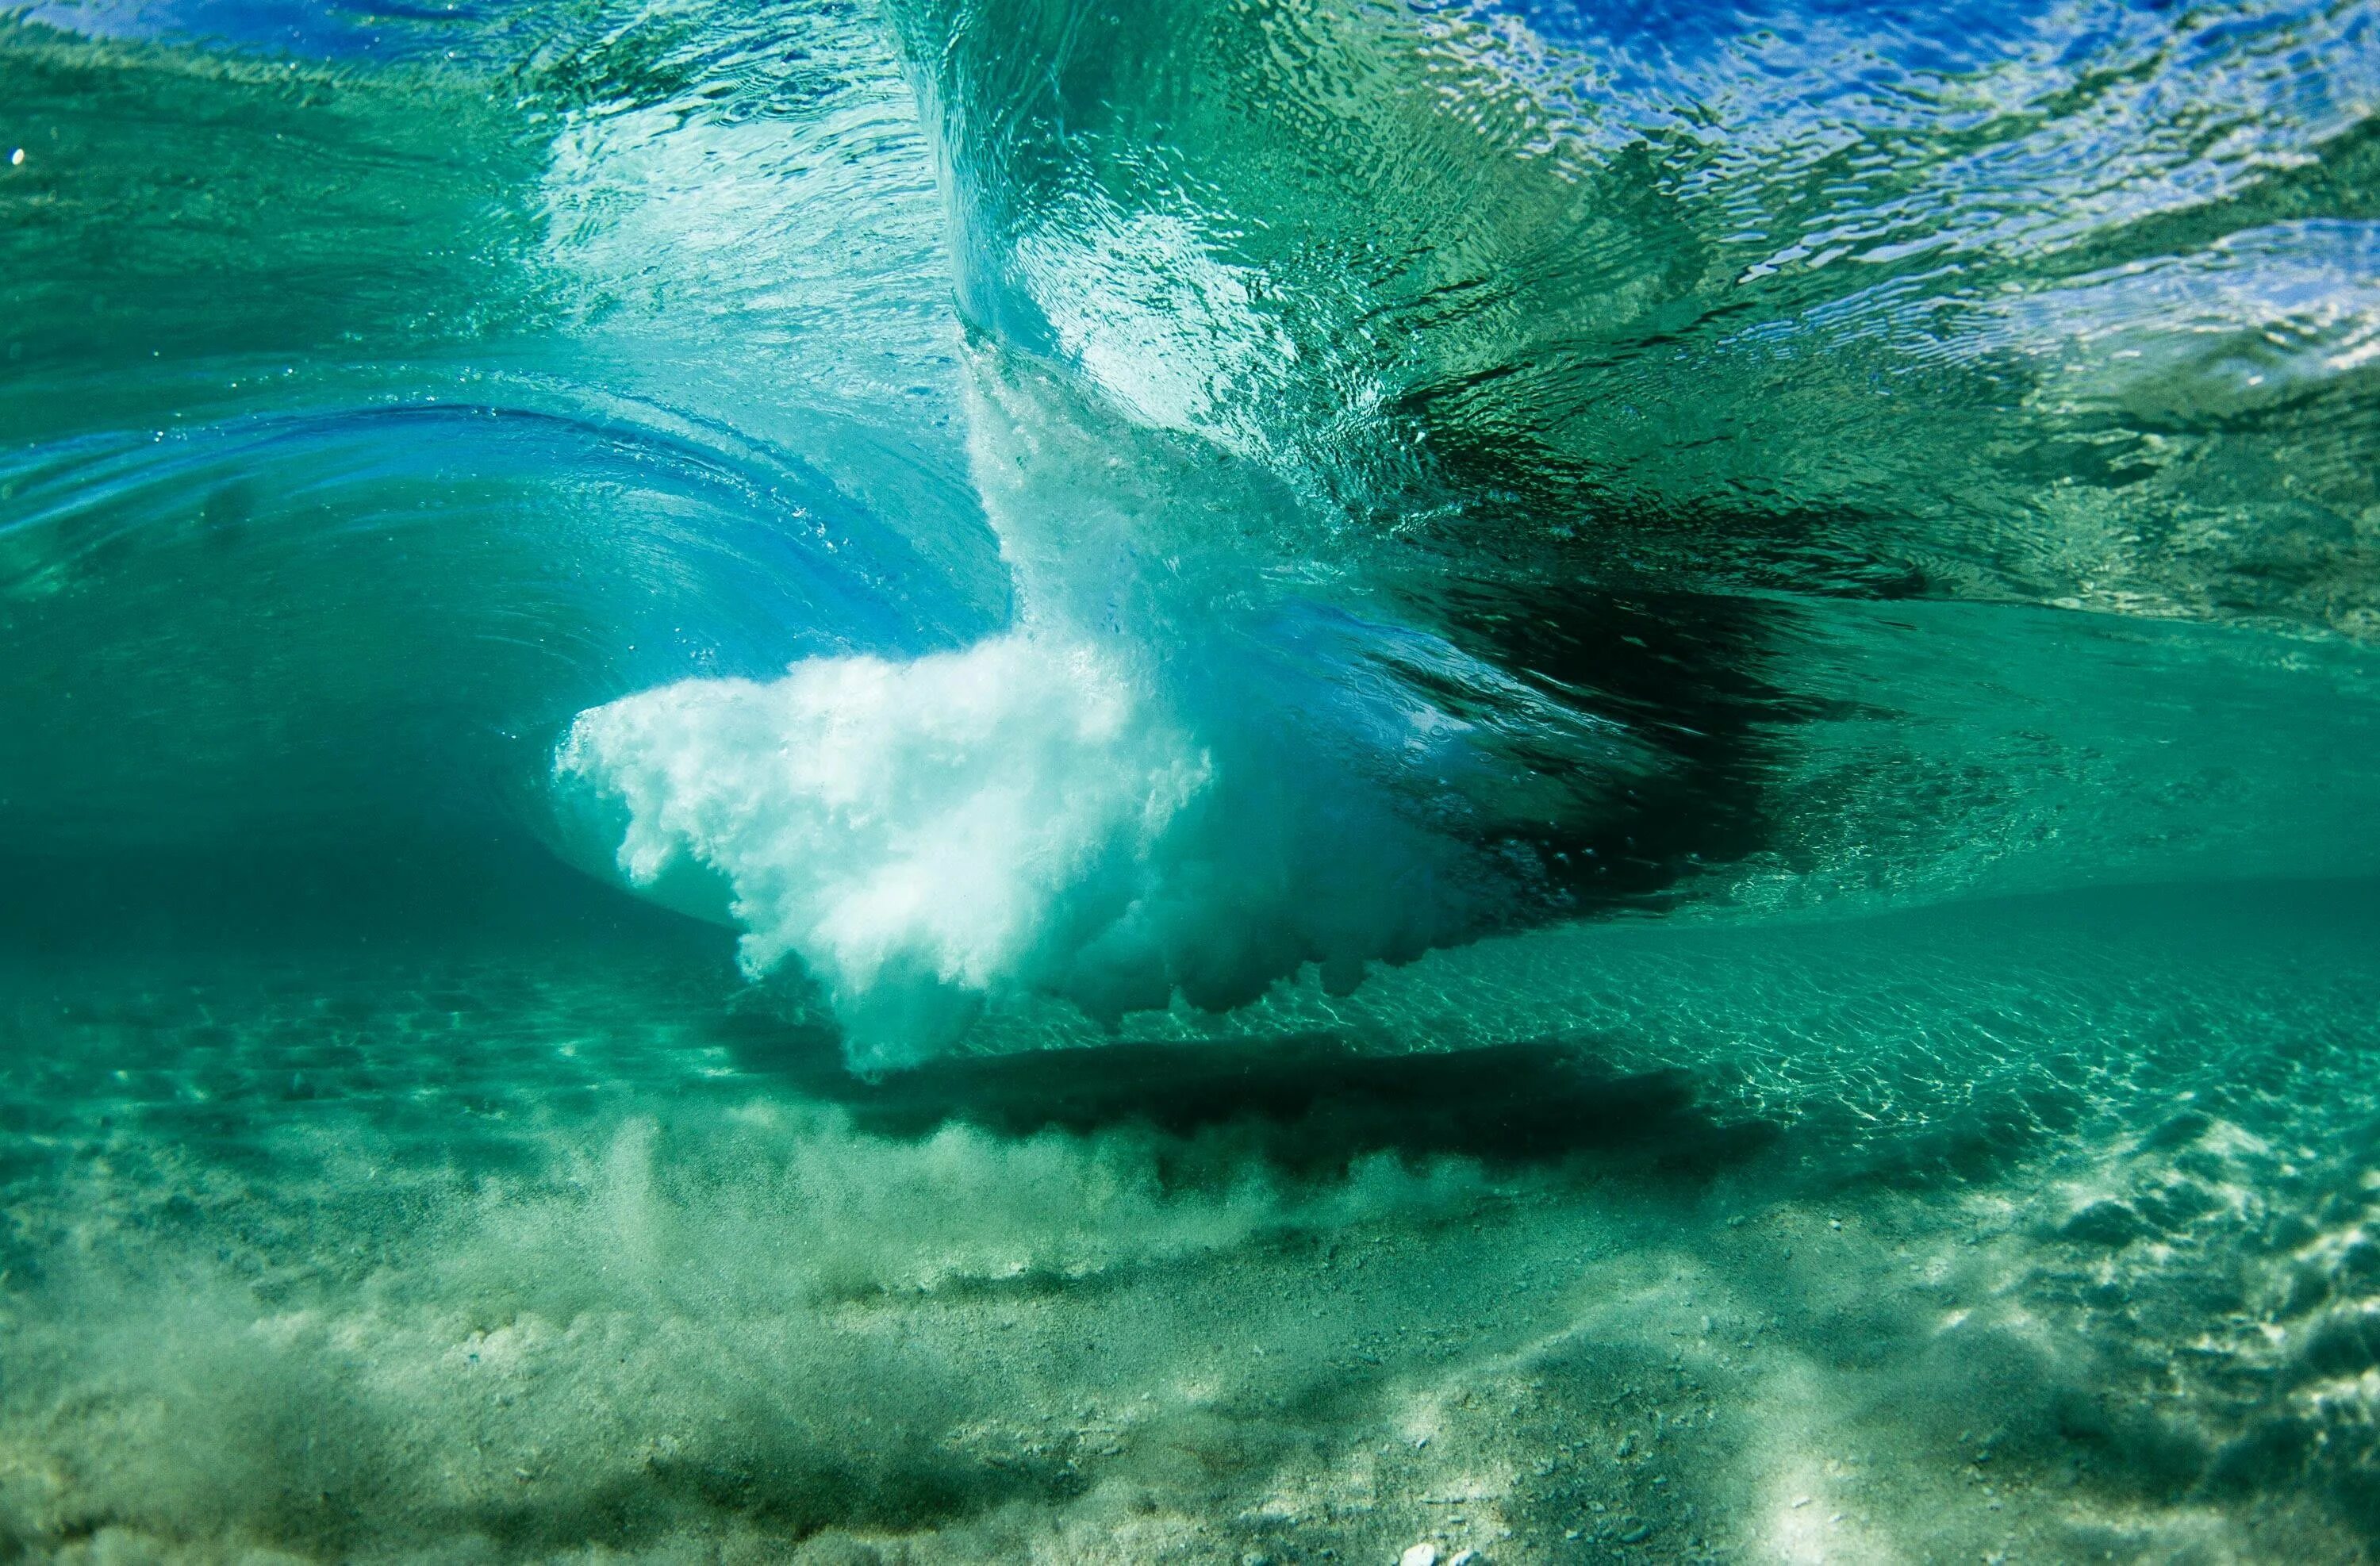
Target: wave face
{"type": "Point", "coordinates": [1522, 466]}
{"type": "Point", "coordinates": [1543, 463]}
{"type": "Point", "coordinates": [1397, 474]}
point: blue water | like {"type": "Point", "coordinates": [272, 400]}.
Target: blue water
{"type": "Point", "coordinates": [1214, 780]}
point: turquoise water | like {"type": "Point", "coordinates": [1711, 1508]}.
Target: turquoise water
{"type": "Point", "coordinates": [1213, 781]}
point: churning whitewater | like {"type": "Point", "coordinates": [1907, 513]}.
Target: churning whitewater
{"type": "Point", "coordinates": [914, 833]}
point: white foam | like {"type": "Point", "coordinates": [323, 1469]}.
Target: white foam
{"type": "Point", "coordinates": [918, 834]}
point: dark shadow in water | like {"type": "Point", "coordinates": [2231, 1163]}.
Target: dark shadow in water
{"type": "Point", "coordinates": [1686, 676]}
{"type": "Point", "coordinates": [1306, 1104]}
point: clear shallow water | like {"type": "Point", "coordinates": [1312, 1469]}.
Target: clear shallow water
{"type": "Point", "coordinates": [1195, 783]}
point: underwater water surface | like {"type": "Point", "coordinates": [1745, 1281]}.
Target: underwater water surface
{"type": "Point", "coordinates": [1189, 780]}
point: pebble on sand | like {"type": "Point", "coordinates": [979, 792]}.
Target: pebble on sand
{"type": "Point", "coordinates": [1422, 1554]}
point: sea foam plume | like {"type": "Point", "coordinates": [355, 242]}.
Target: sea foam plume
{"type": "Point", "coordinates": [915, 834]}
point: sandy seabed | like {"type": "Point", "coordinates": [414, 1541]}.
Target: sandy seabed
{"type": "Point", "coordinates": [2031, 1232]}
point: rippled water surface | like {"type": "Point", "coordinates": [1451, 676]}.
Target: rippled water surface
{"type": "Point", "coordinates": [1208, 781]}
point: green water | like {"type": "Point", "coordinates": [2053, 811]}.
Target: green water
{"type": "Point", "coordinates": [1214, 780]}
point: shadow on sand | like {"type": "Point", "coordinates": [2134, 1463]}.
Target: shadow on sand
{"type": "Point", "coordinates": [1309, 1104]}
